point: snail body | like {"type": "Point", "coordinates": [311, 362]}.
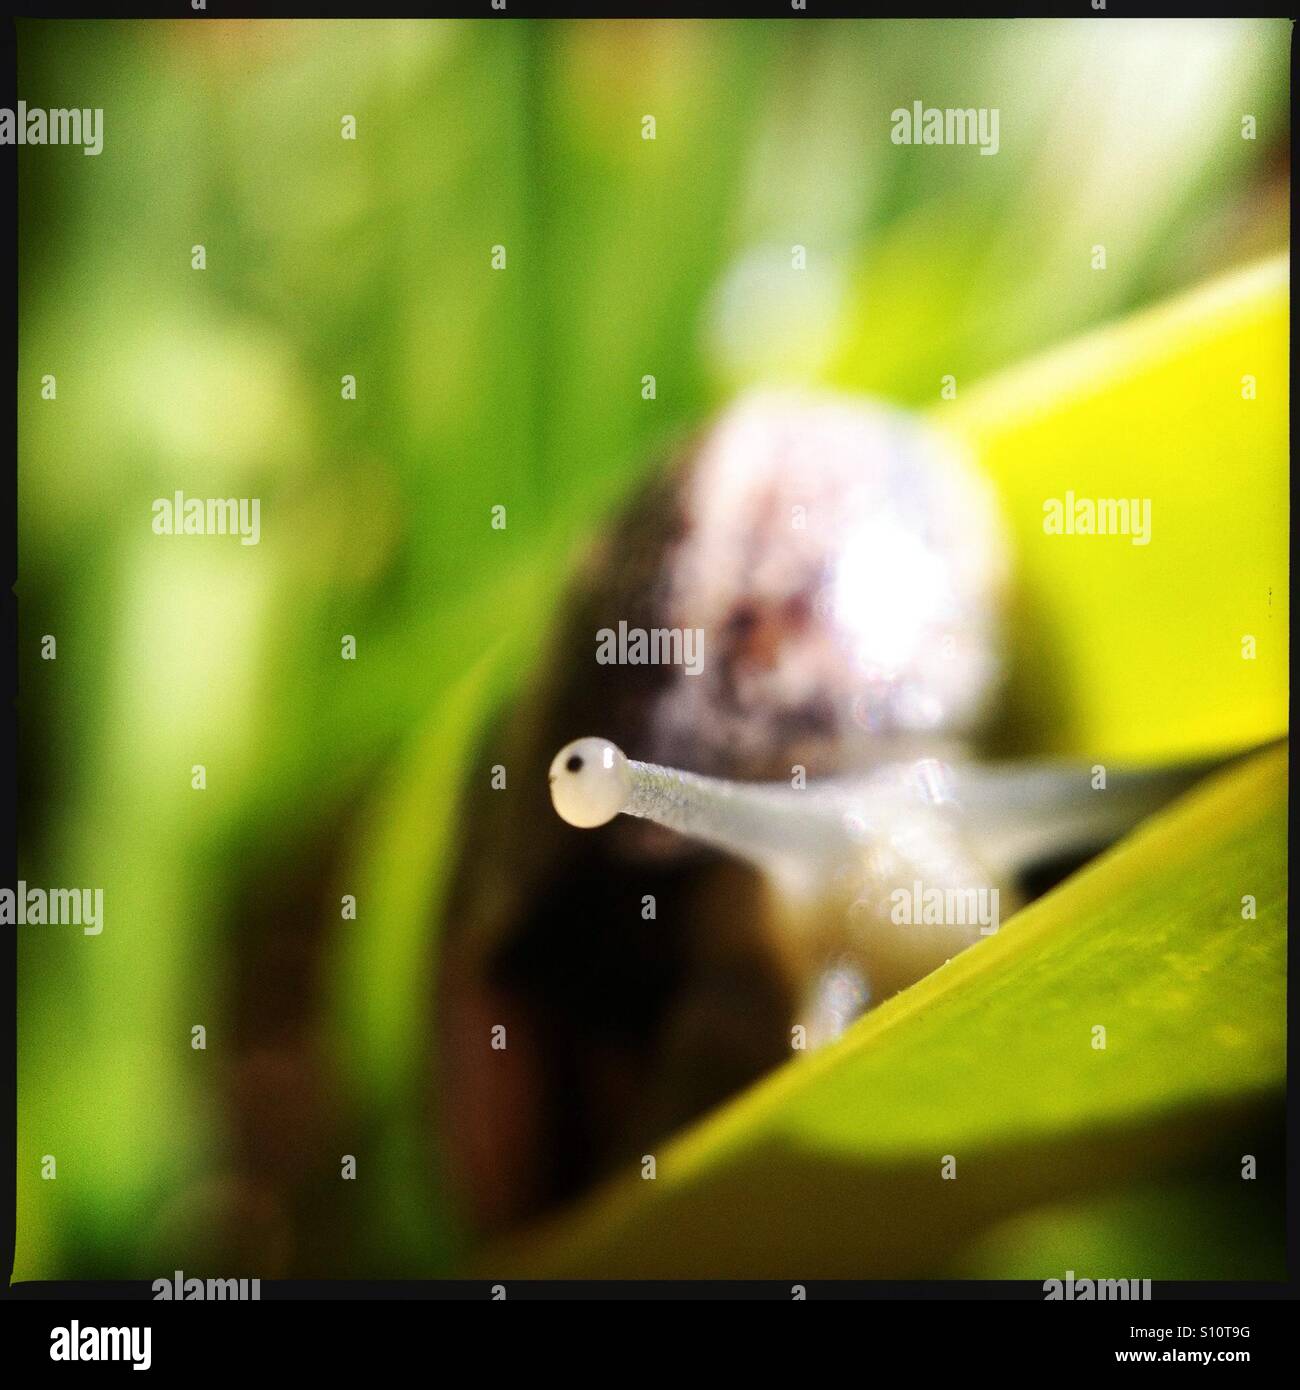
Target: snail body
{"type": "Point", "coordinates": [852, 857]}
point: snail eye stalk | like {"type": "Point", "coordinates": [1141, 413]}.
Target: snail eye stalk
{"type": "Point", "coordinates": [1009, 815]}
{"type": "Point", "coordinates": [592, 781]}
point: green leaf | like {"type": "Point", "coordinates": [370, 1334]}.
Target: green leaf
{"type": "Point", "coordinates": [1123, 650]}
{"type": "Point", "coordinates": [831, 1167]}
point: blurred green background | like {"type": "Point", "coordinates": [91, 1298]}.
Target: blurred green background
{"type": "Point", "coordinates": [475, 387]}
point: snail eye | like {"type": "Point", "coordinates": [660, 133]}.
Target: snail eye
{"type": "Point", "coordinates": [590, 782]}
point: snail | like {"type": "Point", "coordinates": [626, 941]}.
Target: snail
{"type": "Point", "coordinates": [813, 807]}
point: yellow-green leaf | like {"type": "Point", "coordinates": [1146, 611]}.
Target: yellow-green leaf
{"type": "Point", "coordinates": [1177, 646]}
